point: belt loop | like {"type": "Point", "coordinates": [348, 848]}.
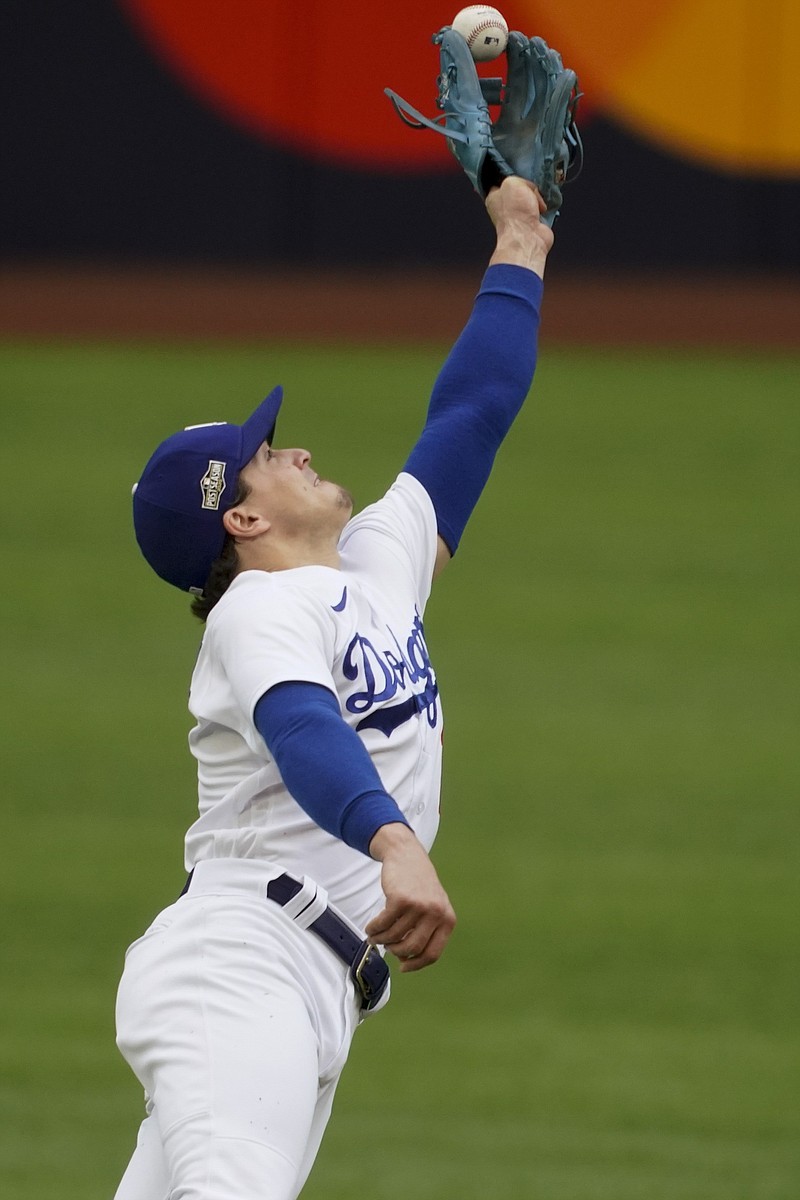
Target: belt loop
{"type": "Point", "coordinates": [307, 904]}
{"type": "Point", "coordinates": [314, 910]}
{"type": "Point", "coordinates": [301, 899]}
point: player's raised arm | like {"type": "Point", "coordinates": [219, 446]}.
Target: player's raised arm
{"type": "Point", "coordinates": [523, 239]}
{"type": "Point", "coordinates": [489, 371]}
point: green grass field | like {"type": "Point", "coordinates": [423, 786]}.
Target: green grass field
{"type": "Point", "coordinates": [617, 645]}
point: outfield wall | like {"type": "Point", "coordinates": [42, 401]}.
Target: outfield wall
{"type": "Point", "coordinates": [252, 133]}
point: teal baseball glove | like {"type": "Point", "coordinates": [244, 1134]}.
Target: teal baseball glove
{"type": "Point", "coordinates": [534, 136]}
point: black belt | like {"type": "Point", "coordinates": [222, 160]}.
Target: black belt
{"type": "Point", "coordinates": [367, 969]}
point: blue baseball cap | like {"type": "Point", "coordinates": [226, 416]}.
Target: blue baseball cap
{"type": "Point", "coordinates": [187, 485]}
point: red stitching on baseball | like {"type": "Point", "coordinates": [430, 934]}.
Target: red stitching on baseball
{"type": "Point", "coordinates": [480, 28]}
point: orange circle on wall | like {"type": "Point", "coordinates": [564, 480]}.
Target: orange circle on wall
{"type": "Point", "coordinates": [715, 81]}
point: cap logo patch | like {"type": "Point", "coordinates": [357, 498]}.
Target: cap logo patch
{"type": "Point", "coordinates": [213, 484]}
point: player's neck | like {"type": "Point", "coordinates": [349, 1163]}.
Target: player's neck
{"type": "Point", "coordinates": [278, 555]}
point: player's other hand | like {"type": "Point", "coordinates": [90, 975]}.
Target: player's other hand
{"type": "Point", "coordinates": [515, 208]}
{"type": "Point", "coordinates": [418, 918]}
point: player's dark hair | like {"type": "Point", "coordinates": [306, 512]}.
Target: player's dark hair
{"type": "Point", "coordinates": [223, 568]}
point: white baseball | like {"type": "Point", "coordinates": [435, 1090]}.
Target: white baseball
{"type": "Point", "coordinates": [484, 29]}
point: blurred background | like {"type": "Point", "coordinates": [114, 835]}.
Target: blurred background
{"type": "Point", "coordinates": [258, 133]}
{"type": "Point", "coordinates": [202, 200]}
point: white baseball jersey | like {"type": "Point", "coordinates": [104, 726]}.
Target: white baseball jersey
{"type": "Point", "coordinates": [356, 631]}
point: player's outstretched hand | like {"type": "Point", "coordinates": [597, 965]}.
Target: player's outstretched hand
{"type": "Point", "coordinates": [418, 917]}
{"type": "Point", "coordinates": [523, 239]}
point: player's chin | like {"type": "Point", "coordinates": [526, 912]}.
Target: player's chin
{"type": "Point", "coordinates": [343, 498]}
{"type": "Point", "coordinates": [337, 502]}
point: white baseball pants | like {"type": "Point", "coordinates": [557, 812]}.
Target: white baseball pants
{"type": "Point", "coordinates": [237, 1022]}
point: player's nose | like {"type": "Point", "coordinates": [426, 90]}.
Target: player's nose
{"type": "Point", "coordinates": [296, 457]}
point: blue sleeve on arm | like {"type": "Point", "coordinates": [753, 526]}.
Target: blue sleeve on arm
{"type": "Point", "coordinates": [324, 763]}
{"type": "Point", "coordinates": [477, 395]}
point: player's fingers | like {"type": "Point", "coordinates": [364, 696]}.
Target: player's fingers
{"type": "Point", "coordinates": [389, 927]}
{"type": "Point", "coordinates": [410, 946]}
{"type": "Point", "coordinates": [393, 922]}
{"type": "Point", "coordinates": [424, 943]}
{"type": "Point", "coordinates": [431, 952]}
{"type": "Point", "coordinates": [416, 942]}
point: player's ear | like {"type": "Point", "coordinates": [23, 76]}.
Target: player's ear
{"type": "Point", "coordinates": [242, 522]}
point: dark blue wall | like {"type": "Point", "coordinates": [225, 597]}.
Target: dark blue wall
{"type": "Point", "coordinates": [106, 156]}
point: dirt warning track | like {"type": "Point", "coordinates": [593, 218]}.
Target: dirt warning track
{"type": "Point", "coordinates": [217, 303]}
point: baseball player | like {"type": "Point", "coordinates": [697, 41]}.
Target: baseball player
{"type": "Point", "coordinates": [318, 745]}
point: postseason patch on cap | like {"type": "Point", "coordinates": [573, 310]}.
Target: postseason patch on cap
{"type": "Point", "coordinates": [212, 484]}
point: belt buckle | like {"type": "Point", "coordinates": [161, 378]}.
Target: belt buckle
{"type": "Point", "coordinates": [370, 975]}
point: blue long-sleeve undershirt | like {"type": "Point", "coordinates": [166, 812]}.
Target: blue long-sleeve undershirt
{"type": "Point", "coordinates": [324, 763]}
{"type": "Point", "coordinates": [478, 393]}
